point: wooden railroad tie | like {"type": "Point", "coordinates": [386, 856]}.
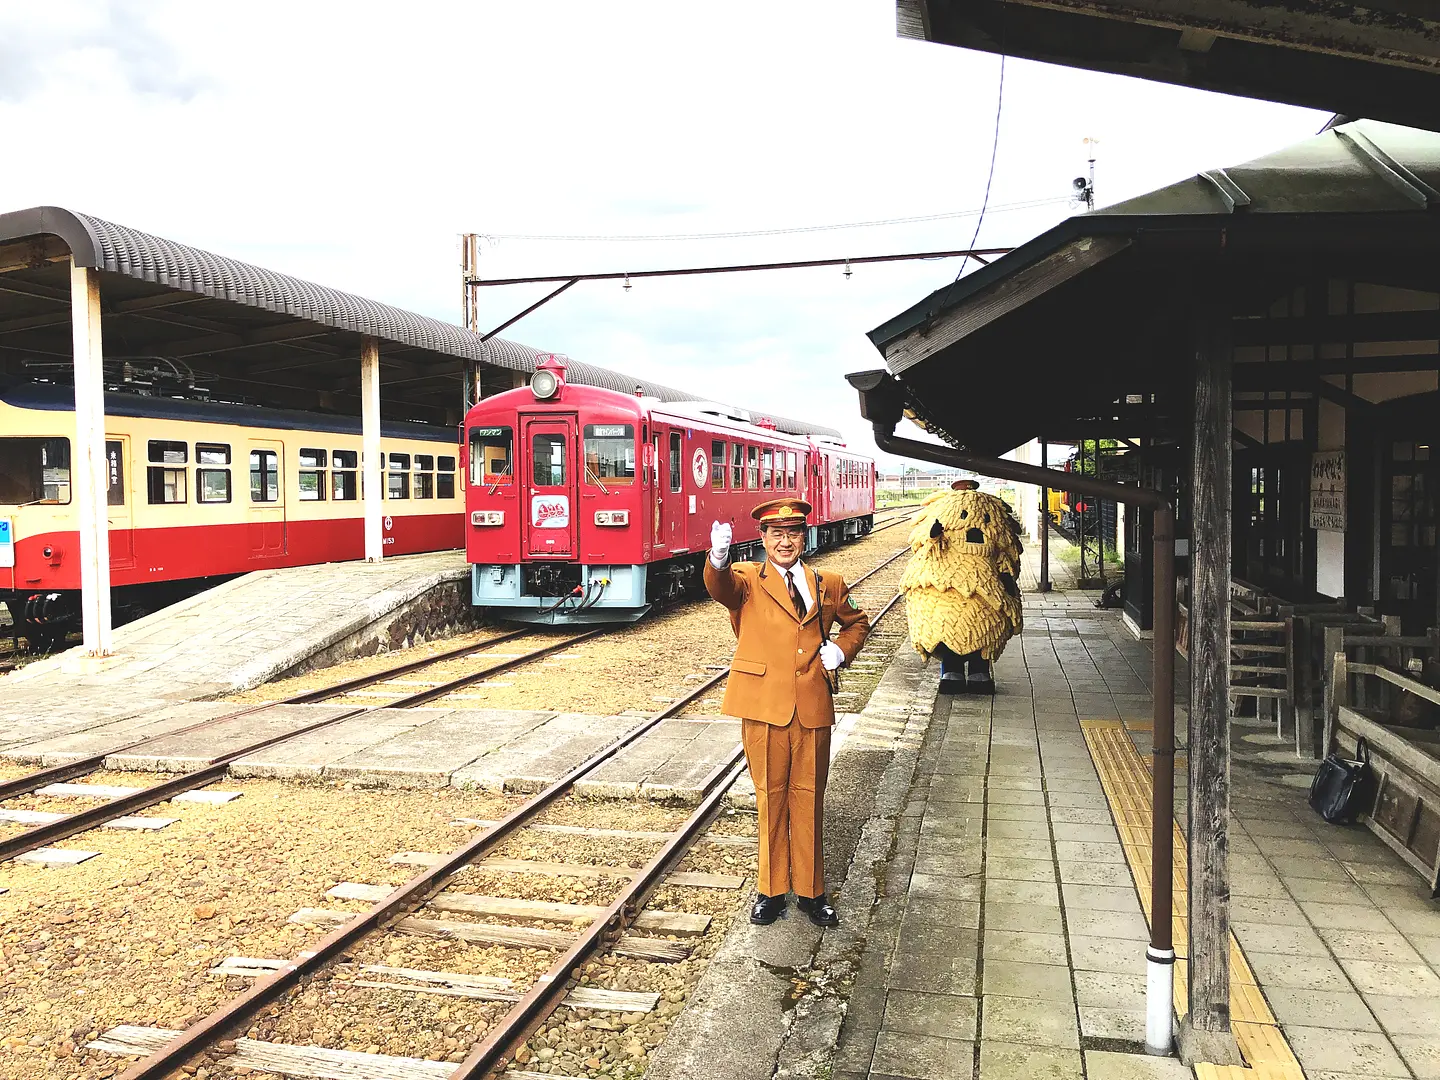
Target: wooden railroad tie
{"type": "Point", "coordinates": [578, 870]}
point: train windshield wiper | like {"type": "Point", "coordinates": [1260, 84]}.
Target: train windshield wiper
{"type": "Point", "coordinates": [496, 486]}
{"type": "Point", "coordinates": [591, 473]}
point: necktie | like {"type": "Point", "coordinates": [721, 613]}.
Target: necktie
{"type": "Point", "coordinates": [795, 597]}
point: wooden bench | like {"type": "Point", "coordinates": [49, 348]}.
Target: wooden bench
{"type": "Point", "coordinates": [1404, 807]}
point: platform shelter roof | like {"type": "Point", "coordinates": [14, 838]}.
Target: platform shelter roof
{"type": "Point", "coordinates": [176, 314]}
{"type": "Point", "coordinates": [1059, 337]}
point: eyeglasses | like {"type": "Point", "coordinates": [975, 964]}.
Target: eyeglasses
{"type": "Point", "coordinates": [786, 534]}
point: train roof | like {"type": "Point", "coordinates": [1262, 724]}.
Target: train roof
{"type": "Point", "coordinates": [50, 397]}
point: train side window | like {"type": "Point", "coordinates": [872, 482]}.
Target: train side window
{"type": "Point", "coordinates": [717, 465]}
{"type": "Point", "coordinates": [548, 454]}
{"type": "Point", "coordinates": [790, 464]}
{"type": "Point", "coordinates": [424, 476]}
{"type": "Point", "coordinates": [165, 485]}
{"type": "Point", "coordinates": [212, 485]}
{"type": "Point", "coordinates": [752, 476]}
{"type": "Point", "coordinates": [490, 457]}
{"type": "Point", "coordinates": [677, 473]}
{"type": "Point", "coordinates": [737, 467]}
{"type": "Point", "coordinates": [34, 470]}
{"type": "Point", "coordinates": [264, 476]}
{"type": "Point", "coordinates": [609, 454]}
{"type": "Point", "coordinates": [767, 465]}
{"type": "Point", "coordinates": [343, 484]}
{"type": "Point", "coordinates": [397, 478]}
{"type": "Point", "coordinates": [445, 477]}
{"type": "Point", "coordinates": [312, 474]}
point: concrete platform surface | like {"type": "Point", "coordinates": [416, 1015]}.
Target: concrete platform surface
{"type": "Point", "coordinates": [232, 637]}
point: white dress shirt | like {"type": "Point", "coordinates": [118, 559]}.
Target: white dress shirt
{"type": "Point", "coordinates": [801, 584]}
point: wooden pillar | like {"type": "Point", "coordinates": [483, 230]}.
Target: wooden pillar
{"type": "Point", "coordinates": [374, 472]}
{"type": "Point", "coordinates": [87, 463]}
{"type": "Point", "coordinates": [1206, 1034]}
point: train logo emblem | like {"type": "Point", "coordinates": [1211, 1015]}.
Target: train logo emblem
{"type": "Point", "coordinates": [550, 512]}
{"type": "Point", "coordinates": [700, 466]}
{"type": "Point", "coordinates": [389, 523]}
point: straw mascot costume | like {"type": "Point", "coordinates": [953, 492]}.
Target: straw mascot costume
{"type": "Point", "coordinates": [960, 590]}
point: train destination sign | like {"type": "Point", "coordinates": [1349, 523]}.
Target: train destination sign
{"type": "Point", "coordinates": [1327, 491]}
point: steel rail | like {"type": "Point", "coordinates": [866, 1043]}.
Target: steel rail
{"type": "Point", "coordinates": [212, 770]}
{"type": "Point", "coordinates": [421, 888]}
{"type": "Point", "coordinates": [56, 774]}
{"type": "Point", "coordinates": [550, 989]}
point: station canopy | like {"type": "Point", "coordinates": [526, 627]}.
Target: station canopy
{"type": "Point", "coordinates": [180, 321]}
{"type": "Point", "coordinates": [1083, 331]}
{"type": "Point", "coordinates": [1380, 59]}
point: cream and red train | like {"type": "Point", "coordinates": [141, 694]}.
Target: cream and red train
{"type": "Point", "coordinates": [199, 490]}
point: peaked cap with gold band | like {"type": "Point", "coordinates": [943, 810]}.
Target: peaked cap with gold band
{"type": "Point", "coordinates": [782, 512]}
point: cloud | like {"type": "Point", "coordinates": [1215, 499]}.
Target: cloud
{"type": "Point", "coordinates": [116, 44]}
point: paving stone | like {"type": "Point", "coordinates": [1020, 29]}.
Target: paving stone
{"type": "Point", "coordinates": [1110, 990]}
{"type": "Point", "coordinates": [1421, 1054]}
{"type": "Point", "coordinates": [537, 748]}
{"type": "Point", "coordinates": [1078, 851]}
{"type": "Point", "coordinates": [1100, 898]}
{"type": "Point", "coordinates": [1389, 948]}
{"type": "Point", "coordinates": [1029, 1022]}
{"type": "Point", "coordinates": [1364, 1052]}
{"type": "Point", "coordinates": [943, 887]}
{"type": "Point", "coordinates": [1125, 925]}
{"type": "Point", "coordinates": [1292, 940]}
{"type": "Point", "coordinates": [430, 754]}
{"type": "Point", "coordinates": [1307, 1007]}
{"type": "Point", "coordinates": [922, 1057]}
{"type": "Point", "coordinates": [1045, 982]}
{"type": "Point", "coordinates": [1099, 834]}
{"type": "Point", "coordinates": [1026, 917]}
{"type": "Point", "coordinates": [1008, 891]}
{"type": "Point", "coordinates": [1099, 1022]}
{"type": "Point", "coordinates": [1024, 947]}
{"type": "Point", "coordinates": [1083, 873]}
{"type": "Point", "coordinates": [948, 1016]}
{"type": "Point", "coordinates": [1281, 970]}
{"type": "Point", "coordinates": [1017, 869]}
{"type": "Point", "coordinates": [307, 755]}
{"type": "Point", "coordinates": [1396, 980]}
{"type": "Point", "coordinates": [1406, 1015]}
{"type": "Point", "coordinates": [1108, 1065]}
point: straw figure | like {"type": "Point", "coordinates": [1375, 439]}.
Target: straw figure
{"type": "Point", "coordinates": [960, 591]}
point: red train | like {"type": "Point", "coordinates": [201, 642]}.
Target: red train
{"type": "Point", "coordinates": [588, 505]}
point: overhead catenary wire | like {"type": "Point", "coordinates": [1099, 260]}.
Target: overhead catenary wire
{"type": "Point", "coordinates": [1027, 204]}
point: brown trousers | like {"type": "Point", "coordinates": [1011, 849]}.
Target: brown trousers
{"type": "Point", "coordinates": [789, 766]}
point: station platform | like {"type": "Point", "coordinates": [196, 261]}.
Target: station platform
{"type": "Point", "coordinates": [994, 911]}
{"type": "Point", "coordinates": [237, 635]}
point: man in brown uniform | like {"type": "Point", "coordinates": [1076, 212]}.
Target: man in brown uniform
{"type": "Point", "coordinates": [780, 687]}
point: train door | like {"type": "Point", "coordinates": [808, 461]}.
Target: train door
{"type": "Point", "coordinates": [119, 507]}
{"type": "Point", "coordinates": [550, 524]}
{"type": "Point", "coordinates": [265, 514]}
{"type": "Point", "coordinates": [675, 509]}
{"type": "Point", "coordinates": [659, 537]}
{"type": "Point", "coordinates": [821, 463]}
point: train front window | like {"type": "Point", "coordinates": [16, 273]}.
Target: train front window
{"type": "Point", "coordinates": [548, 454]}
{"type": "Point", "coordinates": [609, 454]}
{"type": "Point", "coordinates": [343, 484]}
{"type": "Point", "coordinates": [490, 457]}
{"type": "Point", "coordinates": [264, 476]}
{"type": "Point", "coordinates": [34, 470]}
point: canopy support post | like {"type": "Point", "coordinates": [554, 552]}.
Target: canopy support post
{"type": "Point", "coordinates": [373, 481]}
{"type": "Point", "coordinates": [87, 465]}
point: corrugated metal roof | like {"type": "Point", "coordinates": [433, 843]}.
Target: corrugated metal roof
{"type": "Point", "coordinates": [1361, 167]}
{"type": "Point", "coordinates": [119, 249]}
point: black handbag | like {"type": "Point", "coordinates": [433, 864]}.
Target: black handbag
{"type": "Point", "coordinates": [1338, 791]}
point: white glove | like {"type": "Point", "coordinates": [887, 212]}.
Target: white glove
{"type": "Point", "coordinates": [720, 534]}
{"type": "Point", "coordinates": [831, 655]}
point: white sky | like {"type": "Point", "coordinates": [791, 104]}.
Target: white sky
{"type": "Point", "coordinates": [351, 144]}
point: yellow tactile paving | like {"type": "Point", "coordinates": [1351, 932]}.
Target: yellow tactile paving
{"type": "Point", "coordinates": [1127, 784]}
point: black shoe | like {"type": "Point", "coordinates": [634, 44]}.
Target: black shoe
{"type": "Point", "coordinates": [767, 909]}
{"type": "Point", "coordinates": [980, 684]}
{"type": "Point", "coordinates": [953, 686]}
{"type": "Point", "coordinates": [820, 910]}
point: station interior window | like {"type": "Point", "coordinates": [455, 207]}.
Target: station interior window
{"type": "Point", "coordinates": [164, 483]}
{"type": "Point", "coordinates": [344, 487]}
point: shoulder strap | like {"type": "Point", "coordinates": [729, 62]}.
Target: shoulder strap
{"type": "Point", "coordinates": [820, 606]}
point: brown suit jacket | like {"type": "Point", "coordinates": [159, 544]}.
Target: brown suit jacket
{"type": "Point", "coordinates": [776, 673]}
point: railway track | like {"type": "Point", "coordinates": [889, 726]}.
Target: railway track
{"type": "Point", "coordinates": [622, 927]}
{"type": "Point", "coordinates": [124, 805]}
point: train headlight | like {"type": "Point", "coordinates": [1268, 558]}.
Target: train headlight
{"type": "Point", "coordinates": [612, 517]}
{"type": "Point", "coordinates": [544, 384]}
{"type": "Point", "coordinates": [487, 517]}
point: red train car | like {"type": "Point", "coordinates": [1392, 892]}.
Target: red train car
{"type": "Point", "coordinates": [588, 505]}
